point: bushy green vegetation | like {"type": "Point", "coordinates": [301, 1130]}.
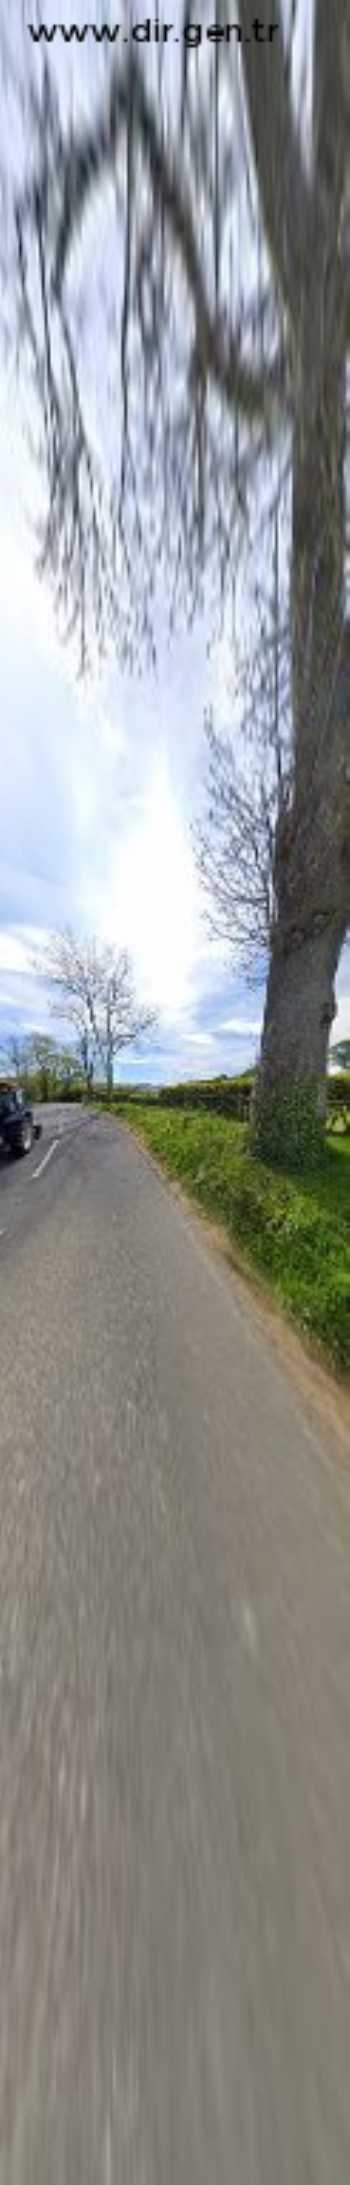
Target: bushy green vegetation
{"type": "Point", "coordinates": [288, 1116]}
{"type": "Point", "coordinates": [45, 1070]}
{"type": "Point", "coordinates": [232, 1096]}
{"type": "Point", "coordinates": [295, 1232]}
{"type": "Point", "coordinates": [218, 1095]}
{"type": "Point", "coordinates": [338, 1101]}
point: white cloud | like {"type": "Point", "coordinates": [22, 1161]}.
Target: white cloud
{"type": "Point", "coordinates": [244, 1027]}
{"type": "Point", "coordinates": [341, 1026]}
{"type": "Point", "coordinates": [17, 949]}
{"type": "Point", "coordinates": [198, 1039]}
{"type": "Point", "coordinates": [13, 954]}
{"type": "Point", "coordinates": [152, 899]}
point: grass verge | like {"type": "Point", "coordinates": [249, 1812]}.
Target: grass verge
{"type": "Point", "coordinates": [294, 1232]}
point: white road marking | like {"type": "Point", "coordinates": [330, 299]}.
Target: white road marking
{"type": "Point", "coordinates": [249, 1627]}
{"type": "Point", "coordinates": [43, 1164]}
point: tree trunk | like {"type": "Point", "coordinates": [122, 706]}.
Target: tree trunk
{"type": "Point", "coordinates": [312, 855]}
{"type": "Point", "coordinates": [290, 1102]}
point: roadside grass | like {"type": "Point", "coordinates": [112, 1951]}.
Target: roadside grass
{"type": "Point", "coordinates": [294, 1232]}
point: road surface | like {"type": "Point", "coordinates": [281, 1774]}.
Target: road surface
{"type": "Point", "coordinates": [174, 1704]}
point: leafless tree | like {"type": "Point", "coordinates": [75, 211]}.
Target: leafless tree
{"type": "Point", "coordinates": [94, 991]}
{"type": "Point", "coordinates": [230, 189]}
{"type": "Point", "coordinates": [71, 969]}
{"type": "Point", "coordinates": [235, 852]}
{"type": "Point", "coordinates": [249, 785]}
{"type": "Point", "coordinates": [120, 1021]}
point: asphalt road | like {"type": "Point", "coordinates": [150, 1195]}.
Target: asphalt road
{"type": "Point", "coordinates": [174, 1705]}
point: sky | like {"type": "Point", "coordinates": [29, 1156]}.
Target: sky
{"type": "Point", "coordinates": [99, 785]}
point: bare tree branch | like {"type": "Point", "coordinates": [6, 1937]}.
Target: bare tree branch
{"type": "Point", "coordinates": [93, 989]}
{"type": "Point", "coordinates": [331, 106]}
{"type": "Point", "coordinates": [283, 189]}
{"type": "Point", "coordinates": [219, 353]}
{"type": "Point", "coordinates": [249, 790]}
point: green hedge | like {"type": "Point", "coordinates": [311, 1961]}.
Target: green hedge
{"type": "Point", "coordinates": [231, 1096]}
{"type": "Point", "coordinates": [338, 1090]}
{"type": "Point", "coordinates": [228, 1096]}
{"type": "Point", "coordinates": [338, 1102]}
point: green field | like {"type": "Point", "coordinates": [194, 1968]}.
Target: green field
{"type": "Point", "coordinates": [295, 1233]}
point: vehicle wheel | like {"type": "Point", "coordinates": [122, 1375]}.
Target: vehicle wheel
{"type": "Point", "coordinates": [25, 1140]}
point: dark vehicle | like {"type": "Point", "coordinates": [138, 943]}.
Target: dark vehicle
{"type": "Point", "coordinates": [17, 1127]}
